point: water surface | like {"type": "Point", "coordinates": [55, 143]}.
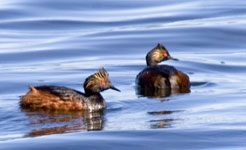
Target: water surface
{"type": "Point", "coordinates": [63, 42]}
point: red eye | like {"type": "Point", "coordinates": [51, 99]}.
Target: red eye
{"type": "Point", "coordinates": [165, 54]}
{"type": "Point", "coordinates": [103, 82]}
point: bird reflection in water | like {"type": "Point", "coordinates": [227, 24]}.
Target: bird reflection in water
{"type": "Point", "coordinates": [158, 92]}
{"type": "Point", "coordinates": [162, 123]}
{"type": "Point", "coordinates": [45, 122]}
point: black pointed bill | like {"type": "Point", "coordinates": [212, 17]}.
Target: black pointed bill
{"type": "Point", "coordinates": [171, 58]}
{"type": "Point", "coordinates": [114, 88]}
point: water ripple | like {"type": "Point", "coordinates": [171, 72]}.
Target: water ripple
{"type": "Point", "coordinates": [63, 42]}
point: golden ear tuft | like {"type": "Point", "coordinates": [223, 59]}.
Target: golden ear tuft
{"type": "Point", "coordinates": [102, 74]}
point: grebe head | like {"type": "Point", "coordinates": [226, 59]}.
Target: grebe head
{"type": "Point", "coordinates": [157, 55]}
{"type": "Point", "coordinates": [98, 82]}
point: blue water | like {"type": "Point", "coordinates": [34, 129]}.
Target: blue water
{"type": "Point", "coordinates": [62, 42]}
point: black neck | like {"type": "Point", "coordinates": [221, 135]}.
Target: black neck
{"type": "Point", "coordinates": [95, 101]}
{"type": "Point", "coordinates": [89, 93]}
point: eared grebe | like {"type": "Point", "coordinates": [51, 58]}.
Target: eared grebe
{"type": "Point", "coordinates": [62, 98]}
{"type": "Point", "coordinates": [161, 80]}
